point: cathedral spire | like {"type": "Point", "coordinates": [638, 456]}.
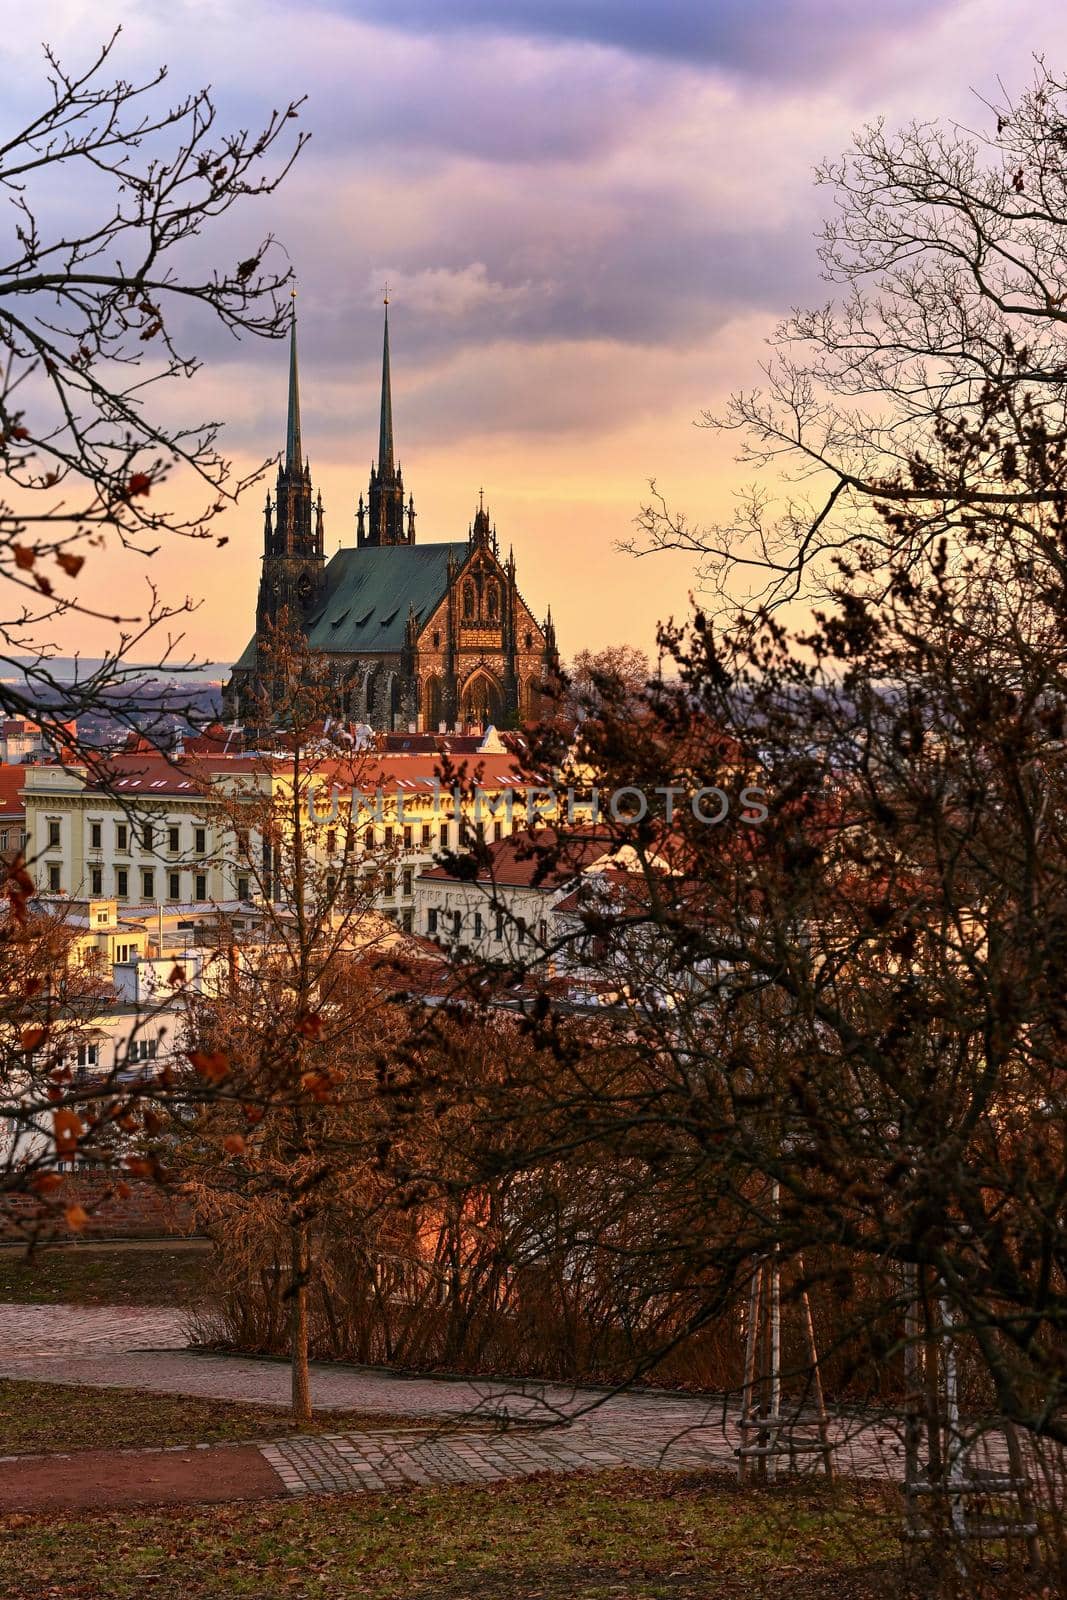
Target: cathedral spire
{"type": "Point", "coordinates": [294, 460]}
{"type": "Point", "coordinates": [385, 499]}
{"type": "Point", "coordinates": [385, 430]}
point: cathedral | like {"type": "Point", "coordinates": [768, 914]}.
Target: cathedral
{"type": "Point", "coordinates": [418, 636]}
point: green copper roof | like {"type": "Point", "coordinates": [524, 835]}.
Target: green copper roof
{"type": "Point", "coordinates": [364, 609]}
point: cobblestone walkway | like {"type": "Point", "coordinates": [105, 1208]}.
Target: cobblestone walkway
{"type": "Point", "coordinates": [363, 1461]}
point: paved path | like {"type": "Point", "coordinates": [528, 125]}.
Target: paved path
{"type": "Point", "coordinates": [564, 1429]}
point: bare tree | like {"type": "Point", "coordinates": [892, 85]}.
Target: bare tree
{"type": "Point", "coordinates": [290, 1036]}
{"type": "Point", "coordinates": [99, 307]}
{"type": "Point", "coordinates": [592, 671]}
{"type": "Point", "coordinates": [947, 328]}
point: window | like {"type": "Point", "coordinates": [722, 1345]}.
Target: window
{"type": "Point", "coordinates": [96, 836]}
{"type": "Point", "coordinates": [331, 884]}
{"type": "Point", "coordinates": [148, 836]}
{"type": "Point", "coordinates": [407, 920]}
{"type": "Point", "coordinates": [200, 836]}
{"type": "Point", "coordinates": [431, 920]}
{"type": "Point", "coordinates": [123, 952]}
{"type": "Point", "coordinates": [457, 923]}
{"type": "Point", "coordinates": [88, 1056]}
{"type": "Point", "coordinates": [200, 886]}
{"type": "Point", "coordinates": [520, 923]}
{"type": "Point", "coordinates": [148, 885]}
{"type": "Point", "coordinates": [122, 836]}
{"type": "Point", "coordinates": [242, 840]}
{"type": "Point", "coordinates": [96, 881]}
{"type": "Point", "coordinates": [54, 877]}
{"type": "Point", "coordinates": [122, 883]}
{"type": "Point", "coordinates": [53, 833]}
{"type": "Point", "coordinates": [498, 830]}
{"type": "Point", "coordinates": [350, 885]}
{"type": "Point", "coordinates": [331, 841]}
{"type": "Point", "coordinates": [242, 887]}
{"type": "Point", "coordinates": [3, 838]}
{"type": "Point", "coordinates": [143, 1049]}
{"type": "Point", "coordinates": [387, 838]}
{"type": "Point", "coordinates": [174, 840]}
{"type": "Point", "coordinates": [436, 639]}
{"type": "Point", "coordinates": [500, 924]}
{"type": "Point", "coordinates": [406, 881]}
{"type": "Point", "coordinates": [388, 882]}
{"type": "Point", "coordinates": [174, 886]}
{"type": "Point", "coordinates": [427, 835]}
{"type": "Point", "coordinates": [477, 924]}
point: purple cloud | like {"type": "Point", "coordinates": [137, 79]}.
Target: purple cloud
{"type": "Point", "coordinates": [760, 38]}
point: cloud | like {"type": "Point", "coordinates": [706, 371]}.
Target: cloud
{"type": "Point", "coordinates": [449, 292]}
{"type": "Point", "coordinates": [759, 38]}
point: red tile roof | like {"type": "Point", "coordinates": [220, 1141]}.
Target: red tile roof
{"type": "Point", "coordinates": [519, 860]}
{"type": "Point", "coordinates": [12, 780]}
{"type": "Point", "coordinates": [150, 772]}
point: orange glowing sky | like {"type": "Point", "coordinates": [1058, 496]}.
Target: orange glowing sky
{"type": "Point", "coordinates": [590, 215]}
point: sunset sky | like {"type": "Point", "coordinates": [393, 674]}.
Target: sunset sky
{"type": "Point", "coordinates": [590, 213]}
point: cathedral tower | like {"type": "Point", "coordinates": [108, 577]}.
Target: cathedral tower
{"type": "Point", "coordinates": [385, 520]}
{"type": "Point", "coordinates": [293, 559]}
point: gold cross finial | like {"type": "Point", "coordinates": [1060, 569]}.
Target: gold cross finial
{"type": "Point", "coordinates": [481, 499]}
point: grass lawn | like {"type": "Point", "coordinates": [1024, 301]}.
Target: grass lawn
{"type": "Point", "coordinates": [38, 1417]}
{"type": "Point", "coordinates": [82, 1275]}
{"type": "Point", "coordinates": [597, 1536]}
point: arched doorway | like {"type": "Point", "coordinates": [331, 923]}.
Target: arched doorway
{"type": "Point", "coordinates": [482, 700]}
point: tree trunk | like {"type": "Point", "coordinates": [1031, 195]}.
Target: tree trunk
{"type": "Point", "coordinates": [298, 1323]}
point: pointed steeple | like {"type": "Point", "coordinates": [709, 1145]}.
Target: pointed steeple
{"type": "Point", "coordinates": [385, 427]}
{"type": "Point", "coordinates": [385, 498]}
{"type": "Point", "coordinates": [294, 456]}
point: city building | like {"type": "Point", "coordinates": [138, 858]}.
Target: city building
{"type": "Point", "coordinates": [12, 810]}
{"type": "Point", "coordinates": [508, 911]}
{"type": "Point", "coordinates": [161, 833]}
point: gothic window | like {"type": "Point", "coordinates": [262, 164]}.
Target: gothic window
{"type": "Point", "coordinates": [432, 711]}
{"type": "Point", "coordinates": [529, 641]}
{"type": "Point", "coordinates": [304, 588]}
{"type": "Point", "coordinates": [436, 640]}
